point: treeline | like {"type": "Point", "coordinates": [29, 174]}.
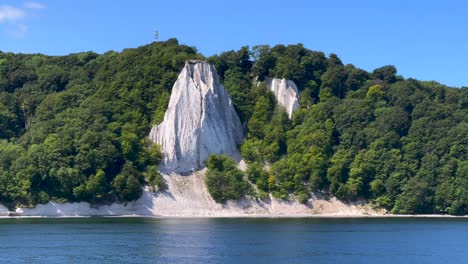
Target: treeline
{"type": "Point", "coordinates": [402, 144]}
{"type": "Point", "coordinates": [74, 128]}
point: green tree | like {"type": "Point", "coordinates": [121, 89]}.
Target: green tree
{"type": "Point", "coordinates": [224, 180]}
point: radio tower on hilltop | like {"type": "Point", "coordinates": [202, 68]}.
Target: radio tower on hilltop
{"type": "Point", "coordinates": [156, 35]}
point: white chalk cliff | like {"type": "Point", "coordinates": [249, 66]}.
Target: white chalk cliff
{"type": "Point", "coordinates": [286, 93]}
{"type": "Point", "coordinates": [200, 120]}
{"type": "Point", "coordinates": [3, 210]}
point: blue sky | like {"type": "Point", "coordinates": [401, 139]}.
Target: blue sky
{"type": "Point", "coordinates": [426, 40]}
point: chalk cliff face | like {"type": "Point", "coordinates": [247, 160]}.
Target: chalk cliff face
{"type": "Point", "coordinates": [199, 121]}
{"type": "Point", "coordinates": [4, 211]}
{"type": "Point", "coordinates": [286, 93]}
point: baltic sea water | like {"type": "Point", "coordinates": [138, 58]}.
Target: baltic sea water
{"type": "Point", "coordinates": [234, 240]}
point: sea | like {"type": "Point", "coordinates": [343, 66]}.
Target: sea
{"type": "Point", "coordinates": [234, 240]}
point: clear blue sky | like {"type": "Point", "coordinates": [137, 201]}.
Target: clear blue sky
{"type": "Point", "coordinates": [426, 40]}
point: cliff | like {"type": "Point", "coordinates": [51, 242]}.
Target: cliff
{"type": "Point", "coordinates": [200, 120]}
{"type": "Point", "coordinates": [286, 93]}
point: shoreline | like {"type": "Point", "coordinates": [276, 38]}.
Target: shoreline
{"type": "Point", "coordinates": [188, 198]}
{"type": "Point", "coordinates": [318, 216]}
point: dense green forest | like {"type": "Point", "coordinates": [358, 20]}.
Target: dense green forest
{"type": "Point", "coordinates": [74, 128]}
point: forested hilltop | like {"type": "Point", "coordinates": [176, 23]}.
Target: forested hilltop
{"type": "Point", "coordinates": [75, 128]}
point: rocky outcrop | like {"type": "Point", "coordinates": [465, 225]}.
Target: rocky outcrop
{"type": "Point", "coordinates": [200, 120]}
{"type": "Point", "coordinates": [3, 210]}
{"type": "Point", "coordinates": [286, 93]}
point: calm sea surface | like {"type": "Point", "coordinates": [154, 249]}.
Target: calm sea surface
{"type": "Point", "coordinates": [234, 240]}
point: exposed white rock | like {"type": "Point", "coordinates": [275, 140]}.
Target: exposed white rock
{"type": "Point", "coordinates": [4, 211]}
{"type": "Point", "coordinates": [286, 93]}
{"type": "Point", "coordinates": [187, 196]}
{"type": "Point", "coordinates": [200, 120]}
{"type": "Point", "coordinates": [142, 207]}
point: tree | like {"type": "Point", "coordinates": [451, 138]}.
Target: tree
{"type": "Point", "coordinates": [224, 180]}
{"type": "Point", "coordinates": [126, 186]}
{"type": "Point", "coordinates": [375, 92]}
{"type": "Point", "coordinates": [386, 73]}
{"type": "Point", "coordinates": [417, 196]}
{"type": "Point", "coordinates": [262, 113]}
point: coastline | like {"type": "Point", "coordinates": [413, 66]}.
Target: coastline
{"type": "Point", "coordinates": [325, 216]}
{"type": "Point", "coordinates": [187, 197]}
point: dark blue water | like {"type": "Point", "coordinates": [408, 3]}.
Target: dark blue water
{"type": "Point", "coordinates": [147, 240]}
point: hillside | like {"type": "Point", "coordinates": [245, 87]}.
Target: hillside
{"type": "Point", "coordinates": [75, 128]}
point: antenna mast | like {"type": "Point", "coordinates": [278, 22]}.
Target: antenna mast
{"type": "Point", "coordinates": [156, 35]}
